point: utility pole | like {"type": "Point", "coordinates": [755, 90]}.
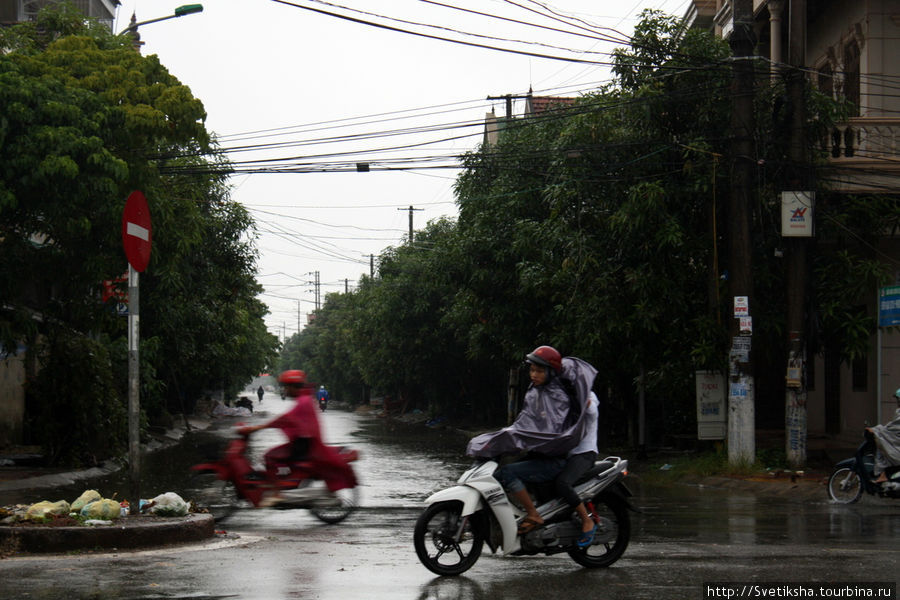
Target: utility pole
{"type": "Point", "coordinates": [318, 290]}
{"type": "Point", "coordinates": [741, 393]}
{"type": "Point", "coordinates": [372, 266]}
{"type": "Point", "coordinates": [509, 98]}
{"type": "Point", "coordinates": [411, 209]}
{"type": "Point", "coordinates": [795, 413]}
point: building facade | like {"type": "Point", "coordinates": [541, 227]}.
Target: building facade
{"type": "Point", "coordinates": [852, 51]}
{"type": "Point", "coordinates": [17, 11]}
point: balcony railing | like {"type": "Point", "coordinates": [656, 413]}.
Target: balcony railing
{"type": "Point", "coordinates": [865, 137]}
{"type": "Point", "coordinates": [864, 155]}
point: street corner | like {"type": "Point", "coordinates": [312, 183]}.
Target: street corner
{"type": "Point", "coordinates": [126, 533]}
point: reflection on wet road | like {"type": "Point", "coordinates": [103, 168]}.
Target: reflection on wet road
{"type": "Point", "coordinates": [684, 537]}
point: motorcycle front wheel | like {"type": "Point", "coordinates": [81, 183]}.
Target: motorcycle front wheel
{"type": "Point", "coordinates": [845, 486]}
{"type": "Point", "coordinates": [446, 542]}
{"type": "Point", "coordinates": [215, 496]}
{"type": "Point", "coordinates": [612, 537]}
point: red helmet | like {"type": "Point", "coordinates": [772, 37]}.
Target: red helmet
{"type": "Point", "coordinates": [546, 357]}
{"type": "Point", "coordinates": [294, 376]}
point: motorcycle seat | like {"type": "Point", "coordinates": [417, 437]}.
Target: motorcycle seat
{"type": "Point", "coordinates": [599, 467]}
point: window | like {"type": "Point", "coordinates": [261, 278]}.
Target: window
{"type": "Point", "coordinates": [851, 74]}
{"type": "Point", "coordinates": [825, 80]}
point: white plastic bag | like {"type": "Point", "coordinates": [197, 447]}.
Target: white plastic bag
{"type": "Point", "coordinates": [169, 504]}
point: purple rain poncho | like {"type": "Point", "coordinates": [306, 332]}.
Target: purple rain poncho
{"type": "Point", "coordinates": [542, 425]}
{"type": "Point", "coordinates": [887, 439]}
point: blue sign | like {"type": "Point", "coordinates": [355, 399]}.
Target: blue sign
{"type": "Point", "coordinates": [889, 306]}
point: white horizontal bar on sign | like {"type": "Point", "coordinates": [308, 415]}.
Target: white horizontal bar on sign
{"type": "Point", "coordinates": [138, 231]}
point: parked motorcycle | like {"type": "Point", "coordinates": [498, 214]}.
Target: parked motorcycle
{"type": "Point", "coordinates": [226, 484]}
{"type": "Point", "coordinates": [450, 533]}
{"type": "Point", "coordinates": [853, 476]}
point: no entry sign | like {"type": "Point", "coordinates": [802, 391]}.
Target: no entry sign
{"type": "Point", "coordinates": [137, 233]}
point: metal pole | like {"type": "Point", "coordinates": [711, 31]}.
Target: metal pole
{"type": "Point", "coordinates": [134, 401]}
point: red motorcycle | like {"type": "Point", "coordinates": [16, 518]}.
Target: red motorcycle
{"type": "Point", "coordinates": [226, 484]}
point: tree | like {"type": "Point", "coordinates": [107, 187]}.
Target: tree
{"type": "Point", "coordinates": [599, 229]}
{"type": "Point", "coordinates": [85, 120]}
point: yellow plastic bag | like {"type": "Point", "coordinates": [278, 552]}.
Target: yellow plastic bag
{"type": "Point", "coordinates": [104, 509]}
{"type": "Point", "coordinates": [42, 510]}
{"type": "Point", "coordinates": [86, 498]}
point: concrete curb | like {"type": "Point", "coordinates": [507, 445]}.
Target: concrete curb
{"type": "Point", "coordinates": [130, 533]}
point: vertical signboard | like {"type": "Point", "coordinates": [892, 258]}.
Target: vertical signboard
{"type": "Point", "coordinates": [889, 306]}
{"type": "Point", "coordinates": [797, 214]}
{"type": "Point", "coordinates": [712, 418]}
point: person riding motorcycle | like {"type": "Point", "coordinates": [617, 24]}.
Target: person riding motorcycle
{"type": "Point", "coordinates": [322, 396]}
{"type": "Point", "coordinates": [301, 426]}
{"type": "Point", "coordinates": [887, 443]}
{"type": "Point", "coordinates": [546, 427]}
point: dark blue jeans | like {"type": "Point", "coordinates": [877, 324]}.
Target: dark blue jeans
{"type": "Point", "coordinates": [576, 466]}
{"type": "Point", "coordinates": [534, 470]}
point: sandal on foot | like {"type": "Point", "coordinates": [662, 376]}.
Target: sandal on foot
{"type": "Point", "coordinates": [529, 524]}
{"type": "Point", "coordinates": [587, 537]}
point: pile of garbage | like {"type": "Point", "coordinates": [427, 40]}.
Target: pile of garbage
{"type": "Point", "coordinates": [91, 508]}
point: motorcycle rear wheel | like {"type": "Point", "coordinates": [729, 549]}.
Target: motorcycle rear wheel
{"type": "Point", "coordinates": [208, 492]}
{"type": "Point", "coordinates": [845, 486]}
{"type": "Point", "coordinates": [436, 542]}
{"type": "Point", "coordinates": [349, 502]}
{"type": "Point", "coordinates": [599, 555]}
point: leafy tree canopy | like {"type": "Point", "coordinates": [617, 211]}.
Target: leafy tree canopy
{"type": "Point", "coordinates": [84, 120]}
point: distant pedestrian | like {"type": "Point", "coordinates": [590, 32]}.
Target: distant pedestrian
{"type": "Point", "coordinates": [260, 392]}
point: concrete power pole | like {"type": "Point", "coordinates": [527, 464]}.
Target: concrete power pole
{"type": "Point", "coordinates": [741, 393]}
{"type": "Point", "coordinates": [795, 414]}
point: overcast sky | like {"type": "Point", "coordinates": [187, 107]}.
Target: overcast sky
{"type": "Point", "coordinates": [315, 94]}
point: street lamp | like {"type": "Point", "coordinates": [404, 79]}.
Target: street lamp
{"type": "Point", "coordinates": [187, 9]}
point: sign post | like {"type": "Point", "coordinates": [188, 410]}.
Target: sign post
{"type": "Point", "coordinates": [136, 239]}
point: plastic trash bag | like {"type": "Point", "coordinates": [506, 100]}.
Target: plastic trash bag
{"type": "Point", "coordinates": [169, 504]}
{"type": "Point", "coordinates": [42, 510]}
{"type": "Point", "coordinates": [85, 498]}
{"type": "Point", "coordinates": [104, 509]}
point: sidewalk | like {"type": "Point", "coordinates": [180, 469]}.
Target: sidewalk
{"type": "Point", "coordinates": [127, 532]}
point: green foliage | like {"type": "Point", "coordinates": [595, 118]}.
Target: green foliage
{"type": "Point", "coordinates": [86, 120]}
{"type": "Point", "coordinates": [600, 229]}
{"type": "Point", "coordinates": [79, 415]}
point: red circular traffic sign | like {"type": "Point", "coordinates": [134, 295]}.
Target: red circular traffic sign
{"type": "Point", "coordinates": [137, 233]}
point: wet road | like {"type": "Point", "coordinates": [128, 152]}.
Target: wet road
{"type": "Point", "coordinates": [684, 538]}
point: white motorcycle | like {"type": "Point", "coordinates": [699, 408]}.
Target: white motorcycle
{"type": "Point", "coordinates": [451, 532]}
